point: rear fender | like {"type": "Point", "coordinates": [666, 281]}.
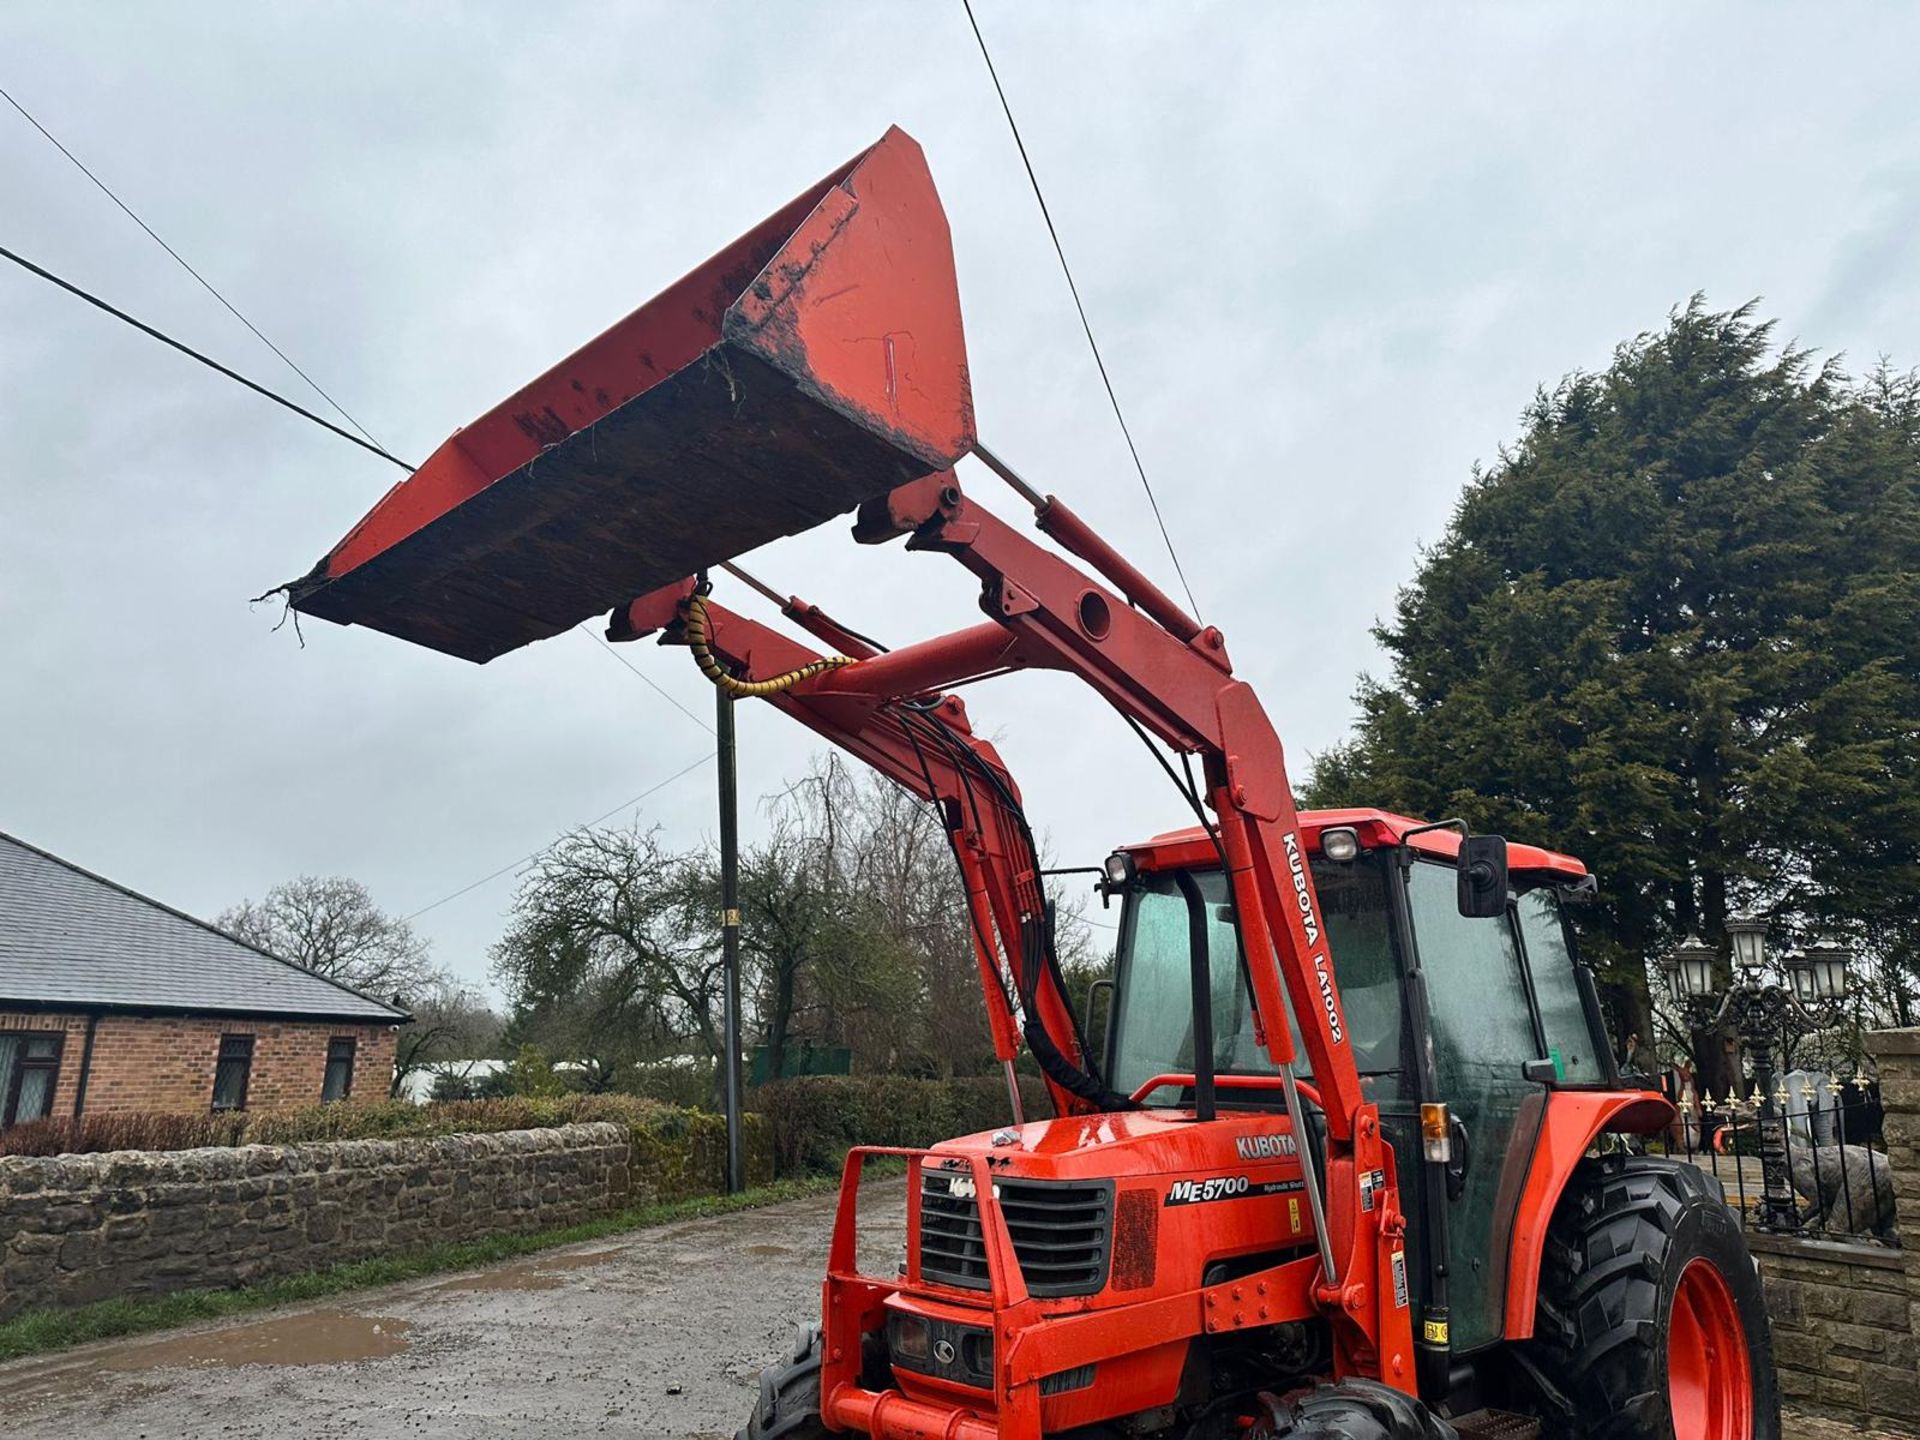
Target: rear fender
{"type": "Point", "coordinates": [1574, 1120]}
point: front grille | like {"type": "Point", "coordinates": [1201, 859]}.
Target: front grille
{"type": "Point", "coordinates": [1060, 1232]}
{"type": "Point", "coordinates": [1078, 1378]}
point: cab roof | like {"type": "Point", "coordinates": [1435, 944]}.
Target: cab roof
{"type": "Point", "coordinates": [1376, 829]}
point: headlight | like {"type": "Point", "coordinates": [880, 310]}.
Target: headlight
{"type": "Point", "coordinates": [1119, 868]}
{"type": "Point", "coordinates": [910, 1338]}
{"type": "Point", "coordinates": [944, 1348]}
{"type": "Point", "coordinates": [1340, 845]}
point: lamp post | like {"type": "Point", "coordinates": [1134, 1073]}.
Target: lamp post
{"type": "Point", "coordinates": [1762, 1010]}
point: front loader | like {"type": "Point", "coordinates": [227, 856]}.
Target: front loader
{"type": "Point", "coordinates": [1334, 1166]}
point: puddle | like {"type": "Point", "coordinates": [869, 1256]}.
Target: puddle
{"type": "Point", "coordinates": [318, 1337]}
{"type": "Point", "coordinates": [542, 1273]}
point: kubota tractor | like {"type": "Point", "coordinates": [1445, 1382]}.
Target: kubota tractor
{"type": "Point", "coordinates": [1338, 1164]}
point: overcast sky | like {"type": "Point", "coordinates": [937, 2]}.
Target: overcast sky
{"type": "Point", "coordinates": [1329, 252]}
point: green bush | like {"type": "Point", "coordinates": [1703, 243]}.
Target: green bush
{"type": "Point", "coordinates": [530, 1073]}
{"type": "Point", "coordinates": [803, 1126]}
{"type": "Point", "coordinates": [689, 1085]}
{"type": "Point", "coordinates": [815, 1118]}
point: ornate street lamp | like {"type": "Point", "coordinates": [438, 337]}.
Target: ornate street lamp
{"type": "Point", "coordinates": [1800, 977]}
{"type": "Point", "coordinates": [1748, 936]}
{"type": "Point", "coordinates": [1827, 959]}
{"type": "Point", "coordinates": [1689, 968]}
{"type": "Point", "coordinates": [1763, 1011]}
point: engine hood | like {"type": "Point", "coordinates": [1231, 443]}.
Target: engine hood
{"type": "Point", "coordinates": [1131, 1142]}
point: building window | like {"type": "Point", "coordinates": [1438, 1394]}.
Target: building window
{"type": "Point", "coordinates": [29, 1065]}
{"type": "Point", "coordinates": [339, 1082]}
{"type": "Point", "coordinates": [230, 1072]}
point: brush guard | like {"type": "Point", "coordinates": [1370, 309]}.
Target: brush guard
{"type": "Point", "coordinates": [854, 1305]}
{"type": "Point", "coordinates": [1030, 1343]}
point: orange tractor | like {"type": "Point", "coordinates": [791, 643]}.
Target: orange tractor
{"type": "Point", "coordinates": [1333, 1167]}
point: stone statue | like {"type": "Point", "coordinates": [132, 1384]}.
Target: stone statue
{"type": "Point", "coordinates": [1850, 1187]}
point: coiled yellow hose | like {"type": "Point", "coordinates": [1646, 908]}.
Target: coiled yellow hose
{"type": "Point", "coordinates": [700, 642]}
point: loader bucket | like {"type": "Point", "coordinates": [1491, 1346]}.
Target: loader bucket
{"type": "Point", "coordinates": [814, 363]}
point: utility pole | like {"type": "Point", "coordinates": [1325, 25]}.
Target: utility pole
{"type": "Point", "coordinates": [730, 926]}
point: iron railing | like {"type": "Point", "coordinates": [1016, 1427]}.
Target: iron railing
{"type": "Point", "coordinates": [1807, 1161]}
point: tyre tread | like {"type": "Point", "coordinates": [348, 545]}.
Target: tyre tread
{"type": "Point", "coordinates": [1597, 1351]}
{"type": "Point", "coordinates": [789, 1404]}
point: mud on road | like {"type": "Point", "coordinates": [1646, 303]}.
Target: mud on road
{"type": "Point", "coordinates": [654, 1334]}
{"type": "Point", "coordinates": [659, 1332]}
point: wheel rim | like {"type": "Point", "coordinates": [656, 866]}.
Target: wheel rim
{"type": "Point", "coordinates": [1709, 1385]}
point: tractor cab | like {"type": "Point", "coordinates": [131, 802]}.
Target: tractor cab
{"type": "Point", "coordinates": [1482, 1014]}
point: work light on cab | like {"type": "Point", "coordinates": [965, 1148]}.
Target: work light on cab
{"type": "Point", "coordinates": [1340, 844]}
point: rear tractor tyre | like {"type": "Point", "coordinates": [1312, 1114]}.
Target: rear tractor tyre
{"type": "Point", "coordinates": [789, 1403]}
{"type": "Point", "coordinates": [1651, 1322]}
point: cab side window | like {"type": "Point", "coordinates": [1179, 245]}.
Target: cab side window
{"type": "Point", "coordinates": [1563, 1018]}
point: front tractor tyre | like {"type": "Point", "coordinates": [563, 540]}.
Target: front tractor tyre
{"type": "Point", "coordinates": [1651, 1322]}
{"type": "Point", "coordinates": [789, 1403]}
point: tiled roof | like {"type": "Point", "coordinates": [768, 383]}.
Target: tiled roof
{"type": "Point", "coordinates": [70, 938]}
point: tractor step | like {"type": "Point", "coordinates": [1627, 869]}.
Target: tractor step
{"type": "Point", "coordinates": [1496, 1425]}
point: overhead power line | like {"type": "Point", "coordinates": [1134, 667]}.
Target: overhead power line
{"type": "Point", "coordinates": [646, 679]}
{"type": "Point", "coordinates": [364, 440]}
{"type": "Point", "coordinates": [205, 284]}
{"type": "Point", "coordinates": [533, 855]}
{"type": "Point", "coordinates": [208, 361]}
{"type": "Point", "coordinates": [305, 413]}
{"type": "Point", "coordinates": [302, 411]}
{"type": "Point", "coordinates": [1085, 324]}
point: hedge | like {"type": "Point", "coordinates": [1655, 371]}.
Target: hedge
{"type": "Point", "coordinates": [808, 1124]}
{"type": "Point", "coordinates": [683, 1153]}
{"type": "Point", "coordinates": [815, 1118]}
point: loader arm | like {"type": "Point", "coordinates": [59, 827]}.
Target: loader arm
{"type": "Point", "coordinates": [1045, 612]}
{"type": "Point", "coordinates": [925, 744]}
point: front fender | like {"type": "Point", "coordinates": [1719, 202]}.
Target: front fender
{"type": "Point", "coordinates": [1573, 1120]}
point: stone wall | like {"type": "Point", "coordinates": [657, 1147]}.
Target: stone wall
{"type": "Point", "coordinates": [78, 1228]}
{"type": "Point", "coordinates": [1842, 1333]}
{"type": "Point", "coordinates": [1846, 1318]}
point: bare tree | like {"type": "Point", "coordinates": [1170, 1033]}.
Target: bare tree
{"type": "Point", "coordinates": [330, 925]}
{"type": "Point", "coordinates": [914, 1002]}
{"type": "Point", "coordinates": [613, 939]}
{"type": "Point", "coordinates": [855, 931]}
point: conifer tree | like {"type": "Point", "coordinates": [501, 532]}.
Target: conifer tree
{"type": "Point", "coordinates": [1675, 630]}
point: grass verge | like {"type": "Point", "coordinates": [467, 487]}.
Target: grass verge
{"type": "Point", "coordinates": [39, 1331]}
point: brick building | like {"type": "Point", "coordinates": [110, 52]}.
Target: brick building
{"type": "Point", "coordinates": [112, 1001]}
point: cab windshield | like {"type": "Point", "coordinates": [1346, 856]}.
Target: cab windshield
{"type": "Point", "coordinates": [1153, 1014]}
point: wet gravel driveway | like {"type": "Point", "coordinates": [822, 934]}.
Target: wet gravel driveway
{"type": "Point", "coordinates": [659, 1332]}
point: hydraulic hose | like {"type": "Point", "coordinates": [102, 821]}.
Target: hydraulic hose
{"type": "Point", "coordinates": [699, 640]}
{"type": "Point", "coordinates": [1036, 940]}
{"type": "Point", "coordinates": [1087, 1083]}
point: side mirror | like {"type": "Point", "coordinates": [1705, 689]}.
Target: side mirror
{"type": "Point", "coordinates": [1483, 877]}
